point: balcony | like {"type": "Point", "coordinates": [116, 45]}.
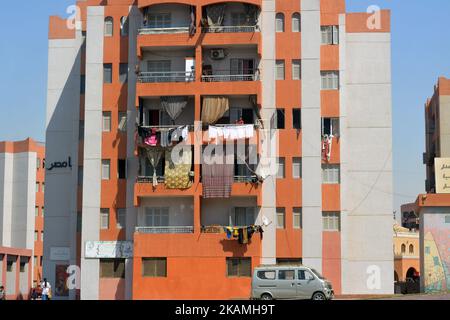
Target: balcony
{"type": "Point", "coordinates": [229, 76]}
{"type": "Point", "coordinates": [170, 76]}
{"type": "Point", "coordinates": [147, 30]}
{"type": "Point", "coordinates": [230, 29]}
{"type": "Point", "coordinates": [164, 230]}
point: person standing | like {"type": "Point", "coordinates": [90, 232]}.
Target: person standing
{"type": "Point", "coordinates": [2, 293]}
{"type": "Point", "coordinates": [46, 287]}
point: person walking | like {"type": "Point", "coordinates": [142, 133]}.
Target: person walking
{"type": "Point", "coordinates": [2, 293]}
{"type": "Point", "coordinates": [46, 287]}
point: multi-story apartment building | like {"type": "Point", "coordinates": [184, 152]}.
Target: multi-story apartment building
{"type": "Point", "coordinates": [21, 215]}
{"type": "Point", "coordinates": [434, 207]}
{"type": "Point", "coordinates": [302, 78]}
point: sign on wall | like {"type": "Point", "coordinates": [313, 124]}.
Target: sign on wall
{"type": "Point", "coordinates": [108, 249]}
{"type": "Point", "coordinates": [442, 175]}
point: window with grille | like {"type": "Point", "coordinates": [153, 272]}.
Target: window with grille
{"type": "Point", "coordinates": [104, 219]}
{"type": "Point", "coordinates": [159, 20]}
{"type": "Point", "coordinates": [107, 73]}
{"type": "Point", "coordinates": [330, 126]}
{"type": "Point", "coordinates": [106, 165]}
{"type": "Point", "coordinates": [329, 80]}
{"type": "Point", "coordinates": [296, 168]}
{"type": "Point", "coordinates": [331, 174]}
{"type": "Point", "coordinates": [297, 118]}
{"type": "Point", "coordinates": [281, 217]}
{"type": "Point", "coordinates": [330, 35]}
{"type": "Point", "coordinates": [296, 69]}
{"type": "Point", "coordinates": [154, 267]}
{"type": "Point", "coordinates": [280, 73]}
{"type": "Point", "coordinates": [296, 22]}
{"type": "Point", "coordinates": [156, 217]}
{"type": "Point", "coordinates": [112, 268]}
{"type": "Point", "coordinates": [281, 172]}
{"type": "Point", "coordinates": [239, 267]}
{"type": "Point", "coordinates": [109, 26]}
{"type": "Point", "coordinates": [279, 22]}
{"type": "Point", "coordinates": [297, 217]}
{"type": "Point", "coordinates": [106, 121]}
{"type": "Point", "coordinates": [331, 221]}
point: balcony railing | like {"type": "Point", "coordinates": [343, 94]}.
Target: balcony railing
{"type": "Point", "coordinates": [170, 76]}
{"type": "Point", "coordinates": [145, 30]}
{"type": "Point", "coordinates": [229, 76]}
{"type": "Point", "coordinates": [230, 29]}
{"type": "Point", "coordinates": [164, 230]}
{"type": "Point", "coordinates": [244, 179]}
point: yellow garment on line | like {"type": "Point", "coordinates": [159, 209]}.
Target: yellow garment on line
{"type": "Point", "coordinates": [177, 173]}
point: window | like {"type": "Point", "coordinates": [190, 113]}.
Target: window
{"type": "Point", "coordinates": [286, 275]}
{"type": "Point", "coordinates": [266, 275]}
{"type": "Point", "coordinates": [403, 248]}
{"type": "Point", "coordinates": [42, 236]}
{"type": "Point", "coordinates": [331, 221]}
{"type": "Point", "coordinates": [280, 119]}
{"type": "Point", "coordinates": [330, 126]}
{"type": "Point", "coordinates": [279, 20]}
{"type": "Point", "coordinates": [329, 80]}
{"type": "Point", "coordinates": [122, 169]}
{"type": "Point", "coordinates": [43, 187]}
{"type": "Point", "coordinates": [79, 221]}
{"type": "Point", "coordinates": [106, 121]}
{"type": "Point", "coordinates": [109, 26]}
{"type": "Point", "coordinates": [42, 211]}
{"type": "Point", "coordinates": [289, 261]}
{"type": "Point", "coordinates": [297, 217]}
{"type": "Point", "coordinates": [104, 219]}
{"type": "Point", "coordinates": [82, 84]}
{"type": "Point", "coordinates": [330, 35]}
{"type": "Point", "coordinates": [107, 73]}
{"type": "Point", "coordinates": [239, 267]}
{"type": "Point", "coordinates": [35, 261]}
{"type": "Point", "coordinates": [411, 249]}
{"type": "Point", "coordinates": [106, 164]}
{"type": "Point", "coordinates": [112, 268]}
{"type": "Point", "coordinates": [159, 66]}
{"type": "Point", "coordinates": [156, 217]}
{"type": "Point", "coordinates": [81, 130]}
{"type": "Point", "coordinates": [38, 163]}
{"type": "Point", "coordinates": [154, 267]}
{"type": "Point", "coordinates": [297, 118]}
{"type": "Point", "coordinates": [122, 121]}
{"type": "Point", "coordinates": [239, 19]}
{"type": "Point", "coordinates": [9, 265]}
{"type": "Point", "coordinates": [159, 20]}
{"type": "Point", "coordinates": [331, 174]}
{"type": "Point", "coordinates": [304, 275]}
{"type": "Point", "coordinates": [36, 211]}
{"type": "Point", "coordinates": [80, 176]}
{"type": "Point", "coordinates": [124, 26]}
{"type": "Point", "coordinates": [37, 186]}
{"type": "Point", "coordinates": [280, 74]}
{"type": "Point", "coordinates": [36, 235]}
{"type": "Point", "coordinates": [296, 168]}
{"type": "Point", "coordinates": [296, 71]}
{"type": "Point", "coordinates": [123, 72]}
{"type": "Point", "coordinates": [120, 218]}
{"type": "Point", "coordinates": [242, 216]}
{"type": "Point", "coordinates": [296, 22]}
{"type": "Point", "coordinates": [281, 217]}
{"type": "Point", "coordinates": [281, 168]}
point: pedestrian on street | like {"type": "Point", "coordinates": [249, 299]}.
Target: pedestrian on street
{"type": "Point", "coordinates": [2, 293]}
{"type": "Point", "coordinates": [46, 287]}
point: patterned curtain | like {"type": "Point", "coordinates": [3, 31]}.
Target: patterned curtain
{"type": "Point", "coordinates": [174, 105]}
{"type": "Point", "coordinates": [214, 108]}
{"type": "Point", "coordinates": [178, 167]}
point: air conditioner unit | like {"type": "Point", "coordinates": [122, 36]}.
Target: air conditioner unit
{"type": "Point", "coordinates": [217, 54]}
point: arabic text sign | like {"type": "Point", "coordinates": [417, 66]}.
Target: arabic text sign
{"type": "Point", "coordinates": [108, 249]}
{"type": "Point", "coordinates": [57, 165]}
{"type": "Point", "coordinates": [442, 170]}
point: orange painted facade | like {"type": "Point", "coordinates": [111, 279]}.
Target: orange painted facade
{"type": "Point", "coordinates": [196, 263]}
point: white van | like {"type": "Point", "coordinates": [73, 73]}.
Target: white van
{"type": "Point", "coordinates": [290, 282]}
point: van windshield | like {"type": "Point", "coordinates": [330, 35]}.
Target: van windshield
{"type": "Point", "coordinates": [317, 274]}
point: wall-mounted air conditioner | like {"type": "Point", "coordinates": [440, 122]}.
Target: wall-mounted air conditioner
{"type": "Point", "coordinates": [217, 54]}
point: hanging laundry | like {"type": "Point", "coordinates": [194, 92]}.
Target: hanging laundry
{"type": "Point", "coordinates": [177, 175]}
{"type": "Point", "coordinates": [152, 139]}
{"type": "Point", "coordinates": [326, 147]}
{"type": "Point", "coordinates": [231, 132]}
{"type": "Point", "coordinates": [180, 134]}
{"type": "Point", "coordinates": [165, 138]}
{"type": "Point", "coordinates": [218, 176]}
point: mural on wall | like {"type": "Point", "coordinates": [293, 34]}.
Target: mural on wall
{"type": "Point", "coordinates": [437, 253]}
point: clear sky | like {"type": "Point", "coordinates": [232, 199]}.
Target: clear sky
{"type": "Point", "coordinates": [420, 53]}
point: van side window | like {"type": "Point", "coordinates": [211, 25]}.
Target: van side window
{"type": "Point", "coordinates": [304, 275]}
{"type": "Point", "coordinates": [266, 275]}
{"type": "Point", "coordinates": [286, 275]}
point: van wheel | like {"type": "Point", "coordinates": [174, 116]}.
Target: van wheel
{"type": "Point", "coordinates": [266, 296]}
{"type": "Point", "coordinates": [319, 296]}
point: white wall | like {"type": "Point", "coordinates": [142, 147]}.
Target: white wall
{"type": "Point", "coordinates": [181, 210]}
{"type": "Point", "coordinates": [366, 164]}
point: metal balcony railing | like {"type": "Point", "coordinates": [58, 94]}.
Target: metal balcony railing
{"type": "Point", "coordinates": [170, 76]}
{"type": "Point", "coordinates": [145, 30]}
{"type": "Point", "coordinates": [230, 29]}
{"type": "Point", "coordinates": [244, 179]}
{"type": "Point", "coordinates": [164, 230]}
{"type": "Point", "coordinates": [145, 179]}
{"type": "Point", "coordinates": [229, 76]}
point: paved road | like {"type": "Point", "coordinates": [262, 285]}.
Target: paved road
{"type": "Point", "coordinates": [443, 296]}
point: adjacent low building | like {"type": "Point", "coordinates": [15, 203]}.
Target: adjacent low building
{"type": "Point", "coordinates": [21, 215]}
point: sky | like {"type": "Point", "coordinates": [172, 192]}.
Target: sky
{"type": "Point", "coordinates": [420, 54]}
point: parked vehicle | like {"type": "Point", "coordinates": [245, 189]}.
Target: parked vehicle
{"type": "Point", "coordinates": [290, 282]}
